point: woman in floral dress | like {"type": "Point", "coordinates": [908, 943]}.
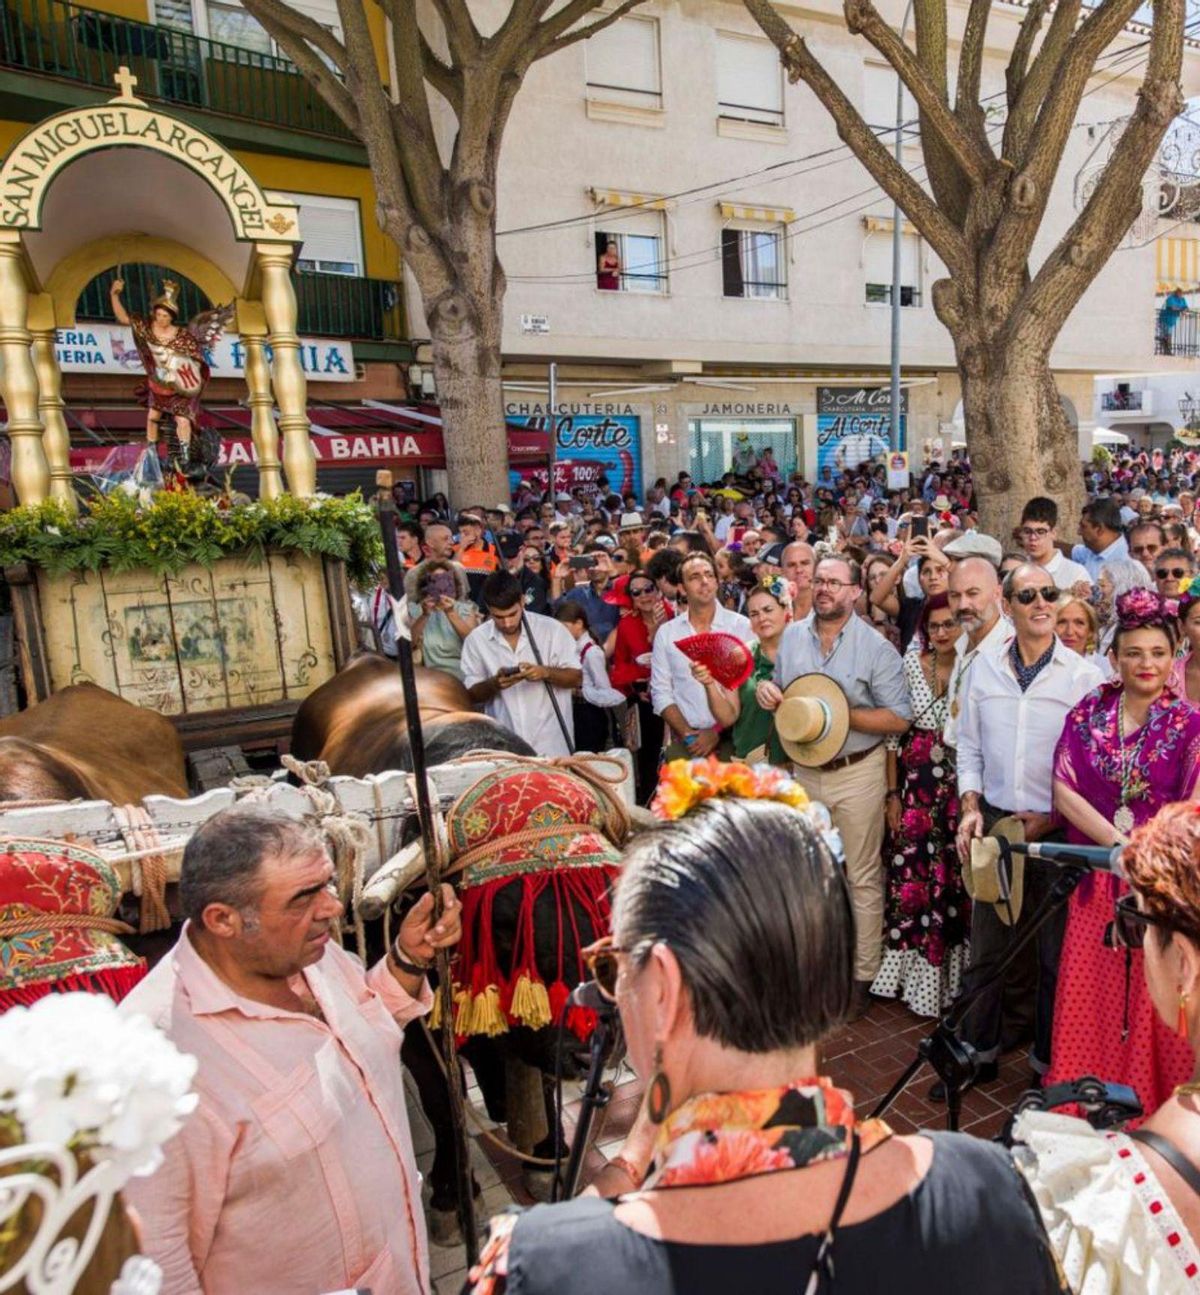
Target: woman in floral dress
{"type": "Point", "coordinates": [1126, 750]}
{"type": "Point", "coordinates": [927, 915]}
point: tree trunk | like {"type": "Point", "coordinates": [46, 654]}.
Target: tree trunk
{"type": "Point", "coordinates": [465, 332]}
{"type": "Point", "coordinates": [1019, 439]}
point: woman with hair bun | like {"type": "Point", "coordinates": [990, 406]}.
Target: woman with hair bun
{"type": "Point", "coordinates": [1123, 1211]}
{"type": "Point", "coordinates": [732, 958]}
{"type": "Point", "coordinates": [1126, 750]}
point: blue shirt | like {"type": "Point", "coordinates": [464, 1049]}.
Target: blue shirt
{"type": "Point", "coordinates": [866, 665]}
{"type": "Point", "coordinates": [1094, 561]}
{"type": "Point", "coordinates": [602, 617]}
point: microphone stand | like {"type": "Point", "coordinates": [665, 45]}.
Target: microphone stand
{"type": "Point", "coordinates": [595, 1097]}
{"type": "Point", "coordinates": [952, 1059]}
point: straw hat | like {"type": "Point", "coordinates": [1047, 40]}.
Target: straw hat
{"type": "Point", "coordinates": [813, 720]}
{"type": "Point", "coordinates": [983, 876]}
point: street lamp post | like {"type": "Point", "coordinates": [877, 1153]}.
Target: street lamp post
{"type": "Point", "coordinates": [897, 225]}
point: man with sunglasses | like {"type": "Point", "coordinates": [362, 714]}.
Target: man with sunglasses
{"type": "Point", "coordinates": [1170, 568]}
{"type": "Point", "coordinates": [1038, 535]}
{"type": "Point", "coordinates": [1014, 704]}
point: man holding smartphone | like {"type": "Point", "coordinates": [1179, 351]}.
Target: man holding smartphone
{"type": "Point", "coordinates": [593, 571]}
{"type": "Point", "coordinates": [519, 665]}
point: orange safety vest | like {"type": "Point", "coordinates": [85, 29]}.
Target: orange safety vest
{"type": "Point", "coordinates": [478, 558]}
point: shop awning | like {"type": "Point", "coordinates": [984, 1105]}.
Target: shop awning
{"type": "Point", "coordinates": [623, 198]}
{"type": "Point", "coordinates": [1177, 264]}
{"type": "Point", "coordinates": [768, 215]}
{"type": "Point", "coordinates": [885, 224]}
{"type": "Point", "coordinates": [343, 435]}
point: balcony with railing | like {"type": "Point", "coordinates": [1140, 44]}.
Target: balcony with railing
{"type": "Point", "coordinates": [329, 305]}
{"type": "Point", "coordinates": [74, 43]}
{"type": "Point", "coordinates": [1177, 332]}
{"type": "Point", "coordinates": [1126, 401]}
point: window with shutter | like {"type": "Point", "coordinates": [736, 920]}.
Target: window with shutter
{"type": "Point", "coordinates": [623, 63]}
{"type": "Point", "coordinates": [753, 263]}
{"type": "Point", "coordinates": [332, 233]}
{"type": "Point", "coordinates": [749, 79]}
{"type": "Point", "coordinates": [879, 104]}
{"type": "Point", "coordinates": [877, 261]}
{"type": "Point", "coordinates": [641, 254]}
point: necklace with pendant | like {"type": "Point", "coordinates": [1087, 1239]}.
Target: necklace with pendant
{"type": "Point", "coordinates": [1123, 818]}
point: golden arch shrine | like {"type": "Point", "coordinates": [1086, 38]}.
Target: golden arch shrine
{"type": "Point", "coordinates": [118, 182]}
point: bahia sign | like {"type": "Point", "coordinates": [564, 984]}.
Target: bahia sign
{"type": "Point", "coordinates": [108, 348]}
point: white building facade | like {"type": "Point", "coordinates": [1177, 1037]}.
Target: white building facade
{"type": "Point", "coordinates": [753, 251]}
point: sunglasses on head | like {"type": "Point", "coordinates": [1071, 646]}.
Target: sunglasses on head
{"type": "Point", "coordinates": [1026, 596]}
{"type": "Point", "coordinates": [603, 965]}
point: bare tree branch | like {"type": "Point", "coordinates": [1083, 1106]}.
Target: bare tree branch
{"type": "Point", "coordinates": [921, 209]}
{"type": "Point", "coordinates": [967, 107]}
{"type": "Point", "coordinates": [1117, 196]}
{"type": "Point", "coordinates": [298, 35]}
{"type": "Point", "coordinates": [864, 19]}
{"type": "Point", "coordinates": [950, 184]}
{"type": "Point", "coordinates": [1035, 83]}
{"type": "Point", "coordinates": [462, 36]}
{"type": "Point", "coordinates": [583, 33]}
{"type": "Point", "coordinates": [446, 80]}
{"type": "Point", "coordinates": [1018, 63]}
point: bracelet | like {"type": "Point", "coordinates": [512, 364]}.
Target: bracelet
{"type": "Point", "coordinates": [893, 791]}
{"type": "Point", "coordinates": [409, 968]}
{"type": "Point", "coordinates": [623, 1164]}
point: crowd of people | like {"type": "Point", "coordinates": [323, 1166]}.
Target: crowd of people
{"type": "Point", "coordinates": [761, 644]}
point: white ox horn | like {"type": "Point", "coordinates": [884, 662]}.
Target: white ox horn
{"type": "Point", "coordinates": [396, 875]}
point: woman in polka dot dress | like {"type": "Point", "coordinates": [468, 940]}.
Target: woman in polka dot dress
{"type": "Point", "coordinates": [1122, 1211]}
{"type": "Point", "coordinates": [1126, 750]}
{"type": "Point", "coordinates": [927, 914]}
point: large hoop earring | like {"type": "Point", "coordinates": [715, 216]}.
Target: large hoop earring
{"type": "Point", "coordinates": [658, 1095]}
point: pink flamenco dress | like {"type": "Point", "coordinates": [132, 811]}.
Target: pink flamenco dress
{"type": "Point", "coordinates": [1097, 1030]}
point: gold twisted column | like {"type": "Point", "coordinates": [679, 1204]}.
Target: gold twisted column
{"type": "Point", "coordinates": [262, 422]}
{"type": "Point", "coordinates": [287, 377]}
{"type": "Point", "coordinates": [56, 440]}
{"type": "Point", "coordinates": [30, 471]}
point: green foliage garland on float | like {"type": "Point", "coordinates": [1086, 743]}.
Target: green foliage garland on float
{"type": "Point", "coordinates": [166, 531]}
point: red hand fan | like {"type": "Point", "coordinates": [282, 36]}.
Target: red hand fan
{"type": "Point", "coordinates": [728, 659]}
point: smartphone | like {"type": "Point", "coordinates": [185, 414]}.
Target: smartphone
{"type": "Point", "coordinates": [918, 526]}
{"type": "Point", "coordinates": [510, 670]}
{"type": "Point", "coordinates": [440, 585]}
{"type": "Point", "coordinates": [581, 562]}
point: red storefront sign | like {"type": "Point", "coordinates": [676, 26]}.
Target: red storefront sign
{"type": "Point", "coordinates": [390, 438]}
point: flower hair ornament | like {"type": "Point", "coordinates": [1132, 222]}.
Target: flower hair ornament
{"type": "Point", "coordinates": [780, 588]}
{"type": "Point", "coordinates": [1189, 593]}
{"type": "Point", "coordinates": [684, 784]}
{"type": "Point", "coordinates": [1145, 608]}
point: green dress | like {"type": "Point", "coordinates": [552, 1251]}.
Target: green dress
{"type": "Point", "coordinates": [753, 725]}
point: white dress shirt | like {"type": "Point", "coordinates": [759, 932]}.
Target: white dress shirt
{"type": "Point", "coordinates": [1064, 572]}
{"type": "Point", "coordinates": [1006, 737]}
{"type": "Point", "coordinates": [671, 682]}
{"type": "Point", "coordinates": [995, 640]}
{"type": "Point", "coordinates": [525, 708]}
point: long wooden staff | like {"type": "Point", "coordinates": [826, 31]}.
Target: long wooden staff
{"type": "Point", "coordinates": [445, 989]}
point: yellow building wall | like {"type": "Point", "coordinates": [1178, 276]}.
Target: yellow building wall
{"type": "Point", "coordinates": [332, 180]}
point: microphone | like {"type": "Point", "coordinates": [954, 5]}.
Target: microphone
{"type": "Point", "coordinates": [1100, 858]}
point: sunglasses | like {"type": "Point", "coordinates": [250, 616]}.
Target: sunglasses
{"type": "Point", "coordinates": [603, 965]}
{"type": "Point", "coordinates": [1174, 573]}
{"type": "Point", "coordinates": [1026, 596]}
{"type": "Point", "coordinates": [1127, 930]}
{"type": "Point", "coordinates": [641, 589]}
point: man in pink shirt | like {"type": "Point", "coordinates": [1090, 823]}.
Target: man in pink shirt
{"type": "Point", "coordinates": [296, 1174]}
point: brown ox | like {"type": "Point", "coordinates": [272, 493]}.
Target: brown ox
{"type": "Point", "coordinates": [85, 742]}
{"type": "Point", "coordinates": [355, 721]}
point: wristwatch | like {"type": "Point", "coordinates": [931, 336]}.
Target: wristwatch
{"type": "Point", "coordinates": [409, 968]}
